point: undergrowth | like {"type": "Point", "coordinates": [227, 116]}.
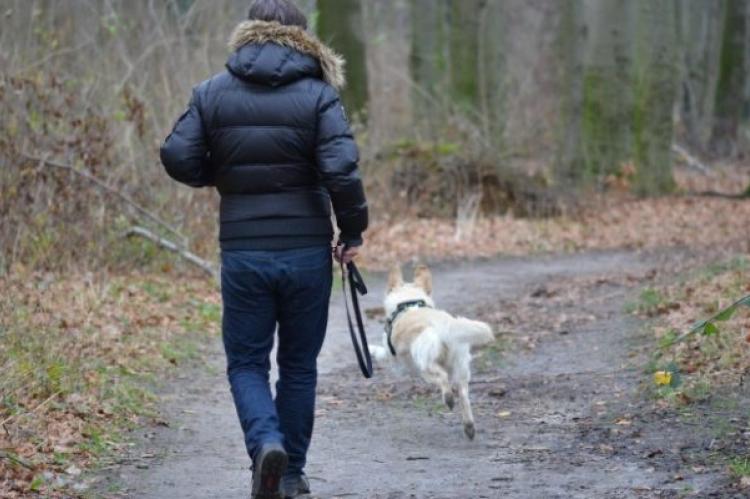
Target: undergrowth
{"type": "Point", "coordinates": [81, 358]}
{"type": "Point", "coordinates": [690, 365]}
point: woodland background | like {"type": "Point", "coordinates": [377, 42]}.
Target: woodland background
{"type": "Point", "coordinates": [462, 108]}
{"type": "Point", "coordinates": [485, 127]}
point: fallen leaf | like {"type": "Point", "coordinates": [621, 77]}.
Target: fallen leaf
{"type": "Point", "coordinates": [662, 377]}
{"type": "Point", "coordinates": [73, 470]}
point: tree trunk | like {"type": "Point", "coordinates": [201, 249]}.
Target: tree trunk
{"type": "Point", "coordinates": [743, 141]}
{"type": "Point", "coordinates": [701, 23]}
{"type": "Point", "coordinates": [532, 79]}
{"type": "Point", "coordinates": [731, 98]}
{"type": "Point", "coordinates": [464, 45]}
{"type": "Point", "coordinates": [596, 42]}
{"type": "Point", "coordinates": [429, 63]}
{"type": "Point", "coordinates": [339, 23]}
{"type": "Point", "coordinates": [388, 30]}
{"type": "Point", "coordinates": [492, 72]}
{"type": "Point", "coordinates": [655, 85]}
{"type": "Point", "coordinates": [607, 94]}
{"type": "Point", "coordinates": [571, 40]}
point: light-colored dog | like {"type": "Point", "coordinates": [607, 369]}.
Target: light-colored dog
{"type": "Point", "coordinates": [430, 341]}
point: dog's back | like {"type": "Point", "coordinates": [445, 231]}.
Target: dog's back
{"type": "Point", "coordinates": [432, 335]}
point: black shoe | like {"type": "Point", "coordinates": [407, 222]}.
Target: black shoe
{"type": "Point", "coordinates": [295, 486]}
{"type": "Point", "coordinates": [269, 467]}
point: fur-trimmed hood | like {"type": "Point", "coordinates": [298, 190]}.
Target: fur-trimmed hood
{"type": "Point", "coordinates": [331, 64]}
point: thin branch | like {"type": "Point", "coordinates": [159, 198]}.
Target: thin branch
{"type": "Point", "coordinates": [53, 55]}
{"type": "Point", "coordinates": [742, 196]}
{"type": "Point", "coordinates": [106, 187]}
{"type": "Point", "coordinates": [171, 246]}
{"type": "Point", "coordinates": [41, 404]}
{"type": "Point", "coordinates": [691, 160]}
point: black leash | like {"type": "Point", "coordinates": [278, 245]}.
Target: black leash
{"type": "Point", "coordinates": [356, 286]}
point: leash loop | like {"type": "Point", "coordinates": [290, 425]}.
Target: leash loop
{"type": "Point", "coordinates": [356, 286]}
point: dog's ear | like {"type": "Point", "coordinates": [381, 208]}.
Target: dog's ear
{"type": "Point", "coordinates": [423, 278]}
{"type": "Point", "coordinates": [395, 278]}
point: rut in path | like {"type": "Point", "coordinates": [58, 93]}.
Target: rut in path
{"type": "Point", "coordinates": [544, 417]}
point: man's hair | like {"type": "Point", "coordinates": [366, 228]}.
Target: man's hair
{"type": "Point", "coordinates": [281, 11]}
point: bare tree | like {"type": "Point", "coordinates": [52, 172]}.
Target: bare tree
{"type": "Point", "coordinates": [388, 31]}
{"type": "Point", "coordinates": [340, 25]}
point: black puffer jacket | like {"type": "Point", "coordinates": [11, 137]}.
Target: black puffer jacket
{"type": "Point", "coordinates": [271, 134]}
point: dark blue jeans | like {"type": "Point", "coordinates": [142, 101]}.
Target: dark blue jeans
{"type": "Point", "coordinates": [261, 289]}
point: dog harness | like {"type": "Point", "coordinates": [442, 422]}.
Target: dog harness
{"type": "Point", "coordinates": [402, 307]}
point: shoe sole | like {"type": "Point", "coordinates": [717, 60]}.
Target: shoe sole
{"type": "Point", "coordinates": [272, 468]}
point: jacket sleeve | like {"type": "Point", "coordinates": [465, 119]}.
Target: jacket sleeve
{"type": "Point", "coordinates": [184, 153]}
{"type": "Point", "coordinates": [336, 158]}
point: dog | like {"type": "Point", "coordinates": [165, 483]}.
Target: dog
{"type": "Point", "coordinates": [430, 341]}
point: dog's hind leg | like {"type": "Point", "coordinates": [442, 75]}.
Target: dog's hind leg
{"type": "Point", "coordinates": [437, 375]}
{"type": "Point", "coordinates": [467, 417]}
{"type": "Point", "coordinates": [426, 351]}
{"type": "Point", "coordinates": [462, 372]}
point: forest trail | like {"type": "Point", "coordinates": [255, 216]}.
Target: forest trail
{"type": "Point", "coordinates": [558, 409]}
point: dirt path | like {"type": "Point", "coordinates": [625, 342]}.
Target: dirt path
{"type": "Point", "coordinates": [558, 413]}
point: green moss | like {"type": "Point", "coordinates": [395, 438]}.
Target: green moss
{"type": "Point", "coordinates": [605, 128]}
{"type": "Point", "coordinates": [339, 23]}
{"type": "Point", "coordinates": [731, 59]}
{"type": "Point", "coordinates": [464, 61]}
{"type": "Point", "coordinates": [649, 300]}
{"type": "Point", "coordinates": [655, 90]}
{"type": "Point", "coordinates": [652, 136]}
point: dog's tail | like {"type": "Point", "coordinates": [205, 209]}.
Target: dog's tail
{"type": "Point", "coordinates": [474, 333]}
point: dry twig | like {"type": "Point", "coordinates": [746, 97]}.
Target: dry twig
{"type": "Point", "coordinates": [39, 406]}
{"type": "Point", "coordinates": [172, 246]}
{"type": "Point", "coordinates": [104, 186]}
{"type": "Point", "coordinates": [691, 160]}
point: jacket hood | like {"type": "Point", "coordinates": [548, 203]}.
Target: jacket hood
{"type": "Point", "coordinates": [274, 54]}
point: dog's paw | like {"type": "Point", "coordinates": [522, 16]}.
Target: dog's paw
{"type": "Point", "coordinates": [469, 430]}
{"type": "Point", "coordinates": [449, 399]}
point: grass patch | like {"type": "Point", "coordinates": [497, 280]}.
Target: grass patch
{"type": "Point", "coordinates": [429, 403]}
{"type": "Point", "coordinates": [492, 356]}
{"type": "Point", "coordinates": [650, 301]}
{"type": "Point", "coordinates": [740, 466]}
{"type": "Point", "coordinates": [80, 357]}
{"type": "Point", "coordinates": [703, 362]}
{"type": "Point", "coordinates": [698, 375]}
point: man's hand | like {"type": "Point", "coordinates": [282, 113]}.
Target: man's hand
{"type": "Point", "coordinates": [345, 255]}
